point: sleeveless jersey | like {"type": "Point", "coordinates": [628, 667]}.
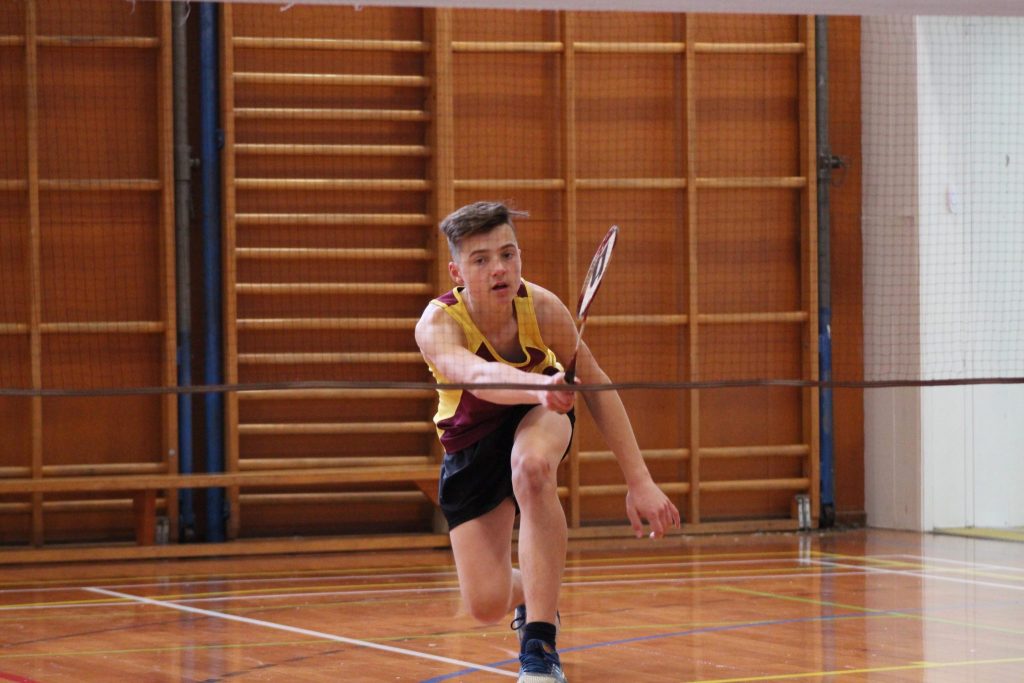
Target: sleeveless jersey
{"type": "Point", "coordinates": [462, 419]}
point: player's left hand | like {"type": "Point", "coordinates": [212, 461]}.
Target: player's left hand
{"type": "Point", "coordinates": [647, 501]}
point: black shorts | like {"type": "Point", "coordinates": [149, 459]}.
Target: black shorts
{"type": "Point", "coordinates": [476, 479]}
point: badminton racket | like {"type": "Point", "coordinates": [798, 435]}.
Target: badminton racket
{"type": "Point", "coordinates": [591, 284]}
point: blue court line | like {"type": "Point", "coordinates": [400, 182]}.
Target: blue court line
{"type": "Point", "coordinates": [677, 634]}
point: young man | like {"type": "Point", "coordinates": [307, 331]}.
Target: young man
{"type": "Point", "coordinates": [503, 446]}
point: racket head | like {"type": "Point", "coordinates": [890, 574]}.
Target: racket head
{"type": "Point", "coordinates": [591, 283]}
{"type": "Point", "coordinates": [595, 274]}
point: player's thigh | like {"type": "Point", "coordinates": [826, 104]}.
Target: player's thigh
{"type": "Point", "coordinates": [542, 434]}
{"type": "Point", "coordinates": [483, 551]}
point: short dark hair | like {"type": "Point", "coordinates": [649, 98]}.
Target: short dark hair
{"type": "Point", "coordinates": [474, 219]}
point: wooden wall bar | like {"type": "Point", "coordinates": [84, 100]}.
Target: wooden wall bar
{"type": "Point", "coordinates": [91, 298]}
{"type": "Point", "coordinates": [348, 134]}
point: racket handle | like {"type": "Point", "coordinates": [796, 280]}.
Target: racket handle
{"type": "Point", "coordinates": [570, 370]}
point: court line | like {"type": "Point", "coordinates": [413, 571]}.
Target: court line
{"type": "Point", "coordinates": [905, 614]}
{"type": "Point", "coordinates": [961, 567]}
{"type": "Point", "coordinates": [962, 563]}
{"type": "Point", "coordinates": [193, 577]}
{"type": "Point", "coordinates": [913, 666]}
{"type": "Point", "coordinates": [920, 575]}
{"type": "Point", "coordinates": [78, 604]}
{"type": "Point", "coordinates": [301, 631]}
{"type": "Point", "coordinates": [677, 634]}
{"type": "Point", "coordinates": [376, 575]}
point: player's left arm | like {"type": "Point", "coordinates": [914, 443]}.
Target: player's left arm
{"type": "Point", "coordinates": [644, 500]}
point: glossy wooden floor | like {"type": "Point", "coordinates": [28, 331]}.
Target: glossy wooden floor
{"type": "Point", "coordinates": [844, 606]}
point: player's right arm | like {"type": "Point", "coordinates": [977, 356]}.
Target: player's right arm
{"type": "Point", "coordinates": [443, 344]}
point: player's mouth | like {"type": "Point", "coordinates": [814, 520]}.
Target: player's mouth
{"type": "Point", "coordinates": [499, 287]}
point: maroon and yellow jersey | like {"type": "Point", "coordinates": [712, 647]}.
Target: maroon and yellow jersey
{"type": "Point", "coordinates": [462, 419]}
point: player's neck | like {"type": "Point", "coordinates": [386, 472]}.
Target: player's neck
{"type": "Point", "coordinates": [489, 319]}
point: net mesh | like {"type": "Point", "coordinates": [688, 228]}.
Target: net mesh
{"type": "Point", "coordinates": [350, 132]}
{"type": "Point", "coordinates": [346, 133]}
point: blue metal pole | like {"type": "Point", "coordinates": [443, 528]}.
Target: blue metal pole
{"type": "Point", "coordinates": [210, 135]}
{"type": "Point", "coordinates": [825, 164]}
{"type": "Point", "coordinates": [182, 255]}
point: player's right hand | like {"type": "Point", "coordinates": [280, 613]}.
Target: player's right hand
{"type": "Point", "coordinates": [559, 401]}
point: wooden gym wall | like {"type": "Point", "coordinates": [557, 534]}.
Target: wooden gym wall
{"type": "Point", "coordinates": [359, 166]}
{"type": "Point", "coordinates": [86, 249]}
{"type": "Point", "coordinates": [464, 105]}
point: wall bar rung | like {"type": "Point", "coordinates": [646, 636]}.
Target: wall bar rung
{"type": "Point", "coordinates": [329, 44]}
{"type": "Point", "coordinates": [631, 183]}
{"type": "Point", "coordinates": [750, 48]}
{"type": "Point", "coordinates": [327, 254]}
{"type": "Point", "coordinates": [15, 472]}
{"type": "Point", "coordinates": [334, 498]}
{"type": "Point", "coordinates": [639, 319]}
{"type": "Point", "coordinates": [739, 318]}
{"type": "Point", "coordinates": [104, 469]}
{"type": "Point", "coordinates": [506, 46]}
{"type": "Point", "coordinates": [101, 185]}
{"type": "Point", "coordinates": [368, 219]}
{"type": "Point", "coordinates": [98, 41]}
{"type": "Point", "coordinates": [347, 184]}
{"type": "Point", "coordinates": [510, 184]}
{"type": "Point", "coordinates": [630, 48]}
{"type": "Point", "coordinates": [794, 484]}
{"type": "Point", "coordinates": [788, 450]}
{"type": "Point", "coordinates": [250, 324]}
{"type": "Point", "coordinates": [377, 288]}
{"type": "Point", "coordinates": [320, 114]}
{"type": "Point", "coordinates": [648, 453]}
{"type": "Point", "coordinates": [133, 327]}
{"type": "Point", "coordinates": [337, 428]}
{"type": "Point", "coordinates": [671, 488]}
{"type": "Point", "coordinates": [339, 357]}
{"type": "Point", "coordinates": [335, 150]}
{"type": "Point", "coordinates": [792, 182]}
{"type": "Point", "coordinates": [371, 80]}
{"type": "Point", "coordinates": [335, 394]}
{"type": "Point", "coordinates": [14, 328]}
{"type": "Point", "coordinates": [260, 464]}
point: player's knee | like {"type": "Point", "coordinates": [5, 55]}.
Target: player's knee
{"type": "Point", "coordinates": [487, 608]}
{"type": "Point", "coordinates": [531, 473]}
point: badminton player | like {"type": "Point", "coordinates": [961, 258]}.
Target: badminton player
{"type": "Point", "coordinates": [503, 446]}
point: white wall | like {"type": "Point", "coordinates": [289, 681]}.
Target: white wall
{"type": "Point", "coordinates": [944, 269]}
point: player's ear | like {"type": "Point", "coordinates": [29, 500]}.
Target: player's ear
{"type": "Point", "coordinates": [453, 271]}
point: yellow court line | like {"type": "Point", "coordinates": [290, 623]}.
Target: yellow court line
{"type": "Point", "coordinates": [624, 556]}
{"type": "Point", "coordinates": [176, 648]}
{"type": "Point", "coordinates": [915, 666]}
{"type": "Point", "coordinates": [869, 610]}
{"type": "Point", "coordinates": [920, 566]}
{"type": "Point", "coordinates": [788, 572]}
{"type": "Point", "coordinates": [572, 584]}
{"type": "Point", "coordinates": [984, 532]}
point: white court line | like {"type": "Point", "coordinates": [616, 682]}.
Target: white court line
{"type": "Point", "coordinates": [963, 563]}
{"type": "Point", "coordinates": [920, 575]}
{"type": "Point", "coordinates": [376, 578]}
{"type": "Point", "coordinates": [302, 631]}
{"type": "Point", "coordinates": [384, 591]}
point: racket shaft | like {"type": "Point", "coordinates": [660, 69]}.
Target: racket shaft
{"type": "Point", "coordinates": [570, 368]}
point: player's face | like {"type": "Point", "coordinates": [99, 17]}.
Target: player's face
{"type": "Point", "coordinates": [489, 265]}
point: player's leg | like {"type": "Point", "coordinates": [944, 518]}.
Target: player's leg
{"type": "Point", "coordinates": [483, 558]}
{"type": "Point", "coordinates": [541, 441]}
